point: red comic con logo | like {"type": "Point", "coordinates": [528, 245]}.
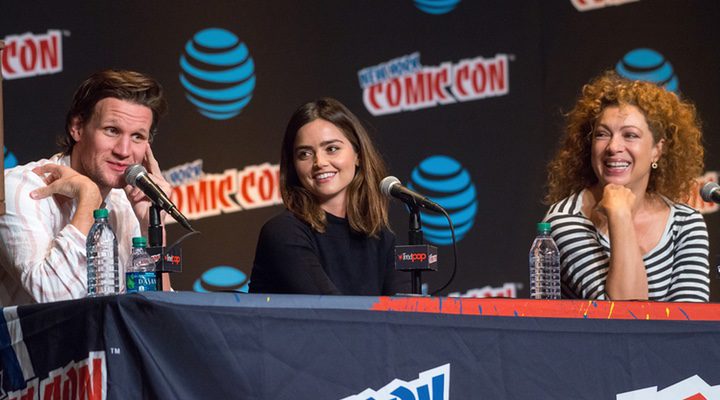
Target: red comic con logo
{"type": "Point", "coordinates": [422, 87]}
{"type": "Point", "coordinates": [586, 5]}
{"type": "Point", "coordinates": [30, 54]}
{"type": "Point", "coordinates": [259, 186]}
{"type": "Point", "coordinates": [692, 388]}
{"type": "Point", "coordinates": [209, 195]}
{"type": "Point", "coordinates": [85, 379]}
{"type": "Point", "coordinates": [480, 77]}
{"type": "Point", "coordinates": [198, 195]}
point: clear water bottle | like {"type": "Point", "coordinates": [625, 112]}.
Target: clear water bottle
{"type": "Point", "coordinates": [140, 274]}
{"type": "Point", "coordinates": [544, 265]}
{"type": "Point", "coordinates": [102, 257]}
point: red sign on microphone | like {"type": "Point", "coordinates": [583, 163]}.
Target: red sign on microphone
{"type": "Point", "coordinates": [421, 257]}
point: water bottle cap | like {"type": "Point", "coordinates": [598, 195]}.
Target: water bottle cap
{"type": "Point", "coordinates": [100, 213]}
{"type": "Point", "coordinates": [543, 227]}
{"type": "Point", "coordinates": [139, 241]}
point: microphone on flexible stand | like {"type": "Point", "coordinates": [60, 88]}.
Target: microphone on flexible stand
{"type": "Point", "coordinates": [136, 175]}
{"type": "Point", "coordinates": [170, 259]}
{"type": "Point", "coordinates": [392, 187]}
{"type": "Point", "coordinates": [417, 249]}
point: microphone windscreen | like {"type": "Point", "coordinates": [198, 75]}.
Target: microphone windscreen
{"type": "Point", "coordinates": [132, 172]}
{"type": "Point", "coordinates": [387, 183]}
{"type": "Point", "coordinates": [707, 191]}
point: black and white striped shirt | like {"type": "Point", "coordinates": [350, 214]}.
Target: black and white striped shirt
{"type": "Point", "coordinates": [677, 268]}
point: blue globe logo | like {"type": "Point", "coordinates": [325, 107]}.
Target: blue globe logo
{"type": "Point", "coordinates": [443, 180]}
{"type": "Point", "coordinates": [648, 65]}
{"type": "Point", "coordinates": [10, 159]}
{"type": "Point", "coordinates": [436, 7]}
{"type": "Point", "coordinates": [222, 278]}
{"type": "Point", "coordinates": [218, 73]}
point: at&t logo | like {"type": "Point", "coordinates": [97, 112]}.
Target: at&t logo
{"type": "Point", "coordinates": [443, 180]}
{"type": "Point", "coordinates": [10, 160]}
{"type": "Point", "coordinates": [648, 65]}
{"type": "Point", "coordinates": [436, 7]}
{"type": "Point", "coordinates": [222, 278]}
{"type": "Point", "coordinates": [218, 73]}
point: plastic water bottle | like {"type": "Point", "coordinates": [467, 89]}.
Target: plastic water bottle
{"type": "Point", "coordinates": [544, 265]}
{"type": "Point", "coordinates": [140, 274]}
{"type": "Point", "coordinates": [102, 257]}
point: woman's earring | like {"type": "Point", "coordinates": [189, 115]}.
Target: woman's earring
{"type": "Point", "coordinates": [654, 165]}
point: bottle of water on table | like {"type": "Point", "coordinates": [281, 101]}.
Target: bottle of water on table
{"type": "Point", "coordinates": [140, 274]}
{"type": "Point", "coordinates": [544, 265]}
{"type": "Point", "coordinates": [102, 257]}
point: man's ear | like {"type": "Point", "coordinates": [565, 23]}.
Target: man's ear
{"type": "Point", "coordinates": [76, 124]}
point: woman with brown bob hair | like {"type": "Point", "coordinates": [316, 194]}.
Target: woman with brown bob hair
{"type": "Point", "coordinates": [334, 237]}
{"type": "Point", "coordinates": [627, 162]}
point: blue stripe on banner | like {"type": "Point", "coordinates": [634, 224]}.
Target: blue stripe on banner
{"type": "Point", "coordinates": [12, 374]}
{"type": "Point", "coordinates": [18, 341]}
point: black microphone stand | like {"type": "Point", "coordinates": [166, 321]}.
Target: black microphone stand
{"type": "Point", "coordinates": [415, 237]}
{"type": "Point", "coordinates": [155, 239]}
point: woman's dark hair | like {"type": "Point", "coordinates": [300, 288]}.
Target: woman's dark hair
{"type": "Point", "coordinates": [366, 205]}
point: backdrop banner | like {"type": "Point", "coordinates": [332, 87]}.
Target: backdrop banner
{"type": "Point", "coordinates": [463, 98]}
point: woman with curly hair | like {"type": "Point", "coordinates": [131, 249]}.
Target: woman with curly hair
{"type": "Point", "coordinates": [627, 162]}
{"type": "Point", "coordinates": [334, 237]}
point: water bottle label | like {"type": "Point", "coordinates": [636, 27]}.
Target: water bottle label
{"type": "Point", "coordinates": [140, 282]}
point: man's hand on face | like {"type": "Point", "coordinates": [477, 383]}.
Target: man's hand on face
{"type": "Point", "coordinates": [141, 204]}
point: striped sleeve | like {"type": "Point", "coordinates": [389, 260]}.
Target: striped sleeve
{"type": "Point", "coordinates": [38, 264]}
{"type": "Point", "coordinates": [690, 278]}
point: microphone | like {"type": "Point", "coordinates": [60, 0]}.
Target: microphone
{"type": "Point", "coordinates": [392, 187]}
{"type": "Point", "coordinates": [710, 192]}
{"type": "Point", "coordinates": [138, 176]}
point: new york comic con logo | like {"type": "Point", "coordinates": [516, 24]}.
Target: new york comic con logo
{"type": "Point", "coordinates": [78, 379]}
{"type": "Point", "coordinates": [199, 195]}
{"type": "Point", "coordinates": [433, 384]}
{"type": "Point", "coordinates": [692, 388]}
{"type": "Point", "coordinates": [32, 54]}
{"type": "Point", "coordinates": [587, 5]}
{"type": "Point", "coordinates": [82, 380]}
{"type": "Point", "coordinates": [404, 84]}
